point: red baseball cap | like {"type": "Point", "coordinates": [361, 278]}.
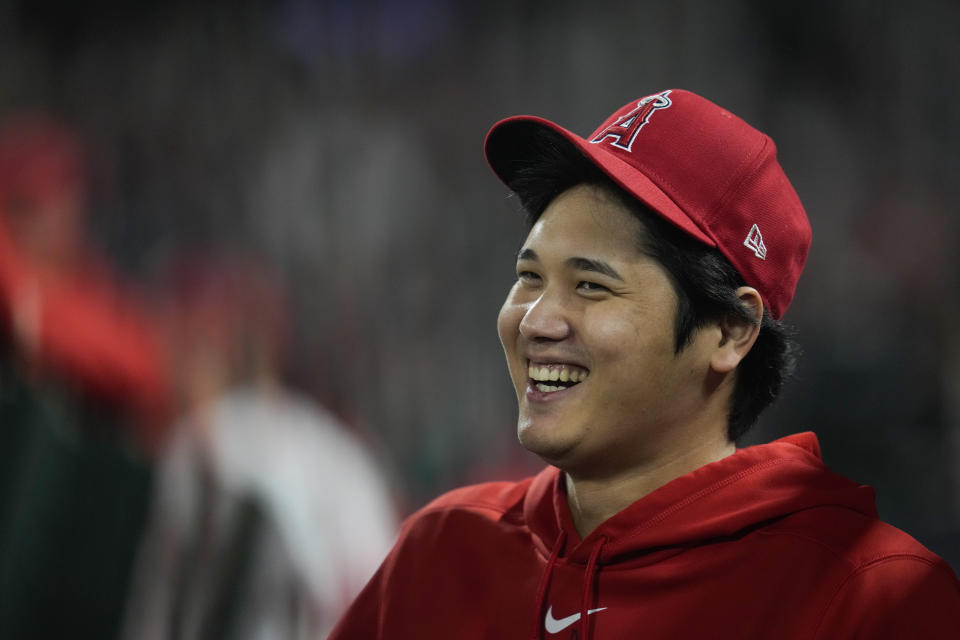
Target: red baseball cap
{"type": "Point", "coordinates": [699, 166]}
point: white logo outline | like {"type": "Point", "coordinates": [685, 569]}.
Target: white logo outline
{"type": "Point", "coordinates": [754, 241]}
{"type": "Point", "coordinates": [552, 625]}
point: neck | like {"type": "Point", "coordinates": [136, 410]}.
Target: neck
{"type": "Point", "coordinates": [594, 499]}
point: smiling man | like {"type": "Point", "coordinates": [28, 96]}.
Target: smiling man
{"type": "Point", "coordinates": [637, 412]}
{"type": "Point", "coordinates": [643, 338]}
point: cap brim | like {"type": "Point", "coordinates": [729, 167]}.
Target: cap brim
{"type": "Point", "coordinates": [510, 146]}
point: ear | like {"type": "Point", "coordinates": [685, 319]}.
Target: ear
{"type": "Point", "coordinates": [737, 334]}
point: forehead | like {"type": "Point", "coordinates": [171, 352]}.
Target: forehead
{"type": "Point", "coordinates": [588, 219]}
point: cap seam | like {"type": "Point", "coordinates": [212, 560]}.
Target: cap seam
{"type": "Point", "coordinates": [732, 188]}
{"type": "Point", "coordinates": [753, 164]}
{"type": "Point", "coordinates": [660, 183]}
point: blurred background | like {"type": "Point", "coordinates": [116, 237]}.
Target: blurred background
{"type": "Point", "coordinates": [251, 259]}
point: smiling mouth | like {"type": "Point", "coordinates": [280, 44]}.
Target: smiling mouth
{"type": "Point", "coordinates": [550, 378]}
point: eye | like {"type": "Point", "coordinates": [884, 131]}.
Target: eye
{"type": "Point", "coordinates": [591, 287]}
{"type": "Point", "coordinates": [527, 276]}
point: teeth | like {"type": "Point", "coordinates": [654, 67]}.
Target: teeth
{"type": "Point", "coordinates": [548, 388]}
{"type": "Point", "coordinates": [554, 372]}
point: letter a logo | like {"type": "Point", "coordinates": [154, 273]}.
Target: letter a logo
{"type": "Point", "coordinates": [624, 129]}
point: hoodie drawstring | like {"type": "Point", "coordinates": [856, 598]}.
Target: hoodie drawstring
{"type": "Point", "coordinates": [545, 582]}
{"type": "Point", "coordinates": [589, 588]}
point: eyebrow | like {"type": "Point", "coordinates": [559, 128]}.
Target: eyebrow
{"type": "Point", "coordinates": [580, 264]}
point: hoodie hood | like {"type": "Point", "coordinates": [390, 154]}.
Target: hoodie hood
{"type": "Point", "coordinates": [752, 486]}
{"type": "Point", "coordinates": [766, 543]}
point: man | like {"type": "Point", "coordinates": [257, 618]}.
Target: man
{"type": "Point", "coordinates": [643, 337]}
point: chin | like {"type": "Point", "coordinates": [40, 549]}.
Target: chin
{"type": "Point", "coordinates": [544, 442]}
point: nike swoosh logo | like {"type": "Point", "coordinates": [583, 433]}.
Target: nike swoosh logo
{"type": "Point", "coordinates": [556, 626]}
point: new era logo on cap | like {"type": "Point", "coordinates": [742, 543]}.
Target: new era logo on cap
{"type": "Point", "coordinates": [698, 166]}
{"type": "Point", "coordinates": [755, 241]}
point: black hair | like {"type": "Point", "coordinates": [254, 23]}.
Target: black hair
{"type": "Point", "coordinates": [704, 280]}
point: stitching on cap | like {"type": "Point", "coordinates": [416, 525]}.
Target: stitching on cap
{"type": "Point", "coordinates": [755, 160]}
{"type": "Point", "coordinates": [662, 182]}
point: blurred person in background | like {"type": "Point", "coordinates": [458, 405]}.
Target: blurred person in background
{"type": "Point", "coordinates": [83, 395]}
{"type": "Point", "coordinates": [64, 313]}
{"type": "Point", "coordinates": [268, 515]}
{"type": "Point", "coordinates": [643, 337]}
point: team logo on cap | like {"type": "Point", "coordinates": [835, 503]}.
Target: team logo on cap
{"type": "Point", "coordinates": [624, 129]}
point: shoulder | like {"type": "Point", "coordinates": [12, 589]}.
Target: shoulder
{"type": "Point", "coordinates": [469, 522]}
{"type": "Point", "coordinates": [490, 499]}
{"type": "Point", "coordinates": [903, 592]}
{"type": "Point", "coordinates": [854, 540]}
{"type": "Point", "coordinates": [472, 513]}
{"type": "Point", "coordinates": [874, 575]}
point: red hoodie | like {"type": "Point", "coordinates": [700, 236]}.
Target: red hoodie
{"type": "Point", "coordinates": [766, 543]}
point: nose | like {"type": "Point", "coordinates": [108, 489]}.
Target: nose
{"type": "Point", "coordinates": [545, 320]}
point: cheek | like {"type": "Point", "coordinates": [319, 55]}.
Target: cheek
{"type": "Point", "coordinates": [630, 343]}
{"type": "Point", "coordinates": [508, 323]}
{"type": "Point", "coordinates": [508, 328]}
{"type": "Point", "coordinates": [613, 330]}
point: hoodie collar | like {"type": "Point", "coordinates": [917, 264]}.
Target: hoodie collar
{"type": "Point", "coordinates": [754, 485]}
